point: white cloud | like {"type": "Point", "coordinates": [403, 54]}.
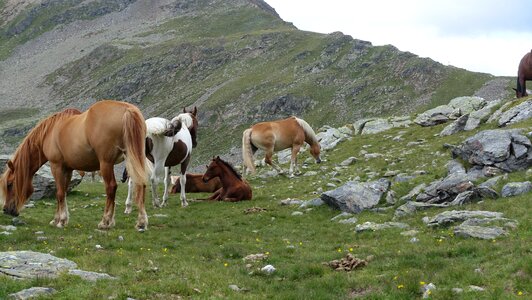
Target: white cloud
{"type": "Point", "coordinates": [483, 36]}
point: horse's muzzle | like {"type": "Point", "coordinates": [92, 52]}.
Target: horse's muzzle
{"type": "Point", "coordinates": [318, 160]}
{"type": "Point", "coordinates": [10, 211]}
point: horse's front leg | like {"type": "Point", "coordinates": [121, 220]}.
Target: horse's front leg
{"type": "Point", "coordinates": [166, 185]}
{"type": "Point", "coordinates": [183, 181]}
{"type": "Point", "coordinates": [129, 196]}
{"type": "Point", "coordinates": [108, 219]}
{"type": "Point", "coordinates": [154, 197]}
{"type": "Point", "coordinates": [62, 179]}
{"type": "Point", "coordinates": [293, 161]}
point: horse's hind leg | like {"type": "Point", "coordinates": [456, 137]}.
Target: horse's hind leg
{"type": "Point", "coordinates": [129, 196]}
{"type": "Point", "coordinates": [166, 185]}
{"type": "Point", "coordinates": [109, 180]}
{"type": "Point", "coordinates": [62, 179]}
{"type": "Point", "coordinates": [154, 197]}
{"type": "Point", "coordinates": [142, 220]}
{"type": "Point", "coordinates": [183, 181]}
{"type": "Point", "coordinates": [268, 160]}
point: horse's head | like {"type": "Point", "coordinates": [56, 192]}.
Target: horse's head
{"type": "Point", "coordinates": [193, 129]}
{"type": "Point", "coordinates": [174, 128]}
{"type": "Point", "coordinates": [213, 170]}
{"type": "Point", "coordinates": [13, 191]}
{"type": "Point", "coordinates": [520, 93]}
{"type": "Point", "coordinates": [315, 152]}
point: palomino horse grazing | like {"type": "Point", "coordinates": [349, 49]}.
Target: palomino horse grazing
{"type": "Point", "coordinates": [234, 188]}
{"type": "Point", "coordinates": [276, 136]}
{"type": "Point", "coordinates": [195, 184]}
{"type": "Point", "coordinates": [524, 73]}
{"type": "Point", "coordinates": [70, 140]}
{"type": "Point", "coordinates": [168, 144]}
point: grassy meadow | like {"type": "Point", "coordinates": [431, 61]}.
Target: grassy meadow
{"type": "Point", "coordinates": [198, 252]}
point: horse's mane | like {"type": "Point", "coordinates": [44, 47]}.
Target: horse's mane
{"type": "Point", "coordinates": [231, 167]}
{"type": "Point", "coordinates": [309, 132]}
{"type": "Point", "coordinates": [185, 118]}
{"type": "Point", "coordinates": [30, 146]}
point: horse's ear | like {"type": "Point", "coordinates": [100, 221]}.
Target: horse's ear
{"type": "Point", "coordinates": [195, 111]}
{"type": "Point", "coordinates": [184, 109]}
{"type": "Point", "coordinates": [10, 165]}
{"type": "Point", "coordinates": [514, 89]}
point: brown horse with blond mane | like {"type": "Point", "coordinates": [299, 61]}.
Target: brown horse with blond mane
{"type": "Point", "coordinates": [276, 136]}
{"type": "Point", "coordinates": [234, 188]}
{"type": "Point", "coordinates": [524, 73]}
{"type": "Point", "coordinates": [96, 139]}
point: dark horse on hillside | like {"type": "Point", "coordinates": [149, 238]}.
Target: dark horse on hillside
{"type": "Point", "coordinates": [524, 73]}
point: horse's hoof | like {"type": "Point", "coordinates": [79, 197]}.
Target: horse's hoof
{"type": "Point", "coordinates": [106, 225]}
{"type": "Point", "coordinates": [127, 211]}
{"type": "Point", "coordinates": [184, 204]}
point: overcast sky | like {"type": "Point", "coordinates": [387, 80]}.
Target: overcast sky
{"type": "Point", "coordinates": [488, 36]}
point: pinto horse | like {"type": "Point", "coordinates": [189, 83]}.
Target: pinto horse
{"type": "Point", "coordinates": [96, 139]}
{"type": "Point", "coordinates": [234, 188]}
{"type": "Point", "coordinates": [195, 184]}
{"type": "Point", "coordinates": [524, 73]}
{"type": "Point", "coordinates": [276, 136]}
{"type": "Point", "coordinates": [168, 143]}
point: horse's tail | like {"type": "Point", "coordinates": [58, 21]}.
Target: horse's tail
{"type": "Point", "coordinates": [247, 153]}
{"type": "Point", "coordinates": [310, 136]}
{"type": "Point", "coordinates": [134, 129]}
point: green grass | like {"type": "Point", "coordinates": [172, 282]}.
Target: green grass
{"type": "Point", "coordinates": [198, 252]}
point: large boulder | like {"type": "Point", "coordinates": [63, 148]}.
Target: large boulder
{"type": "Point", "coordinates": [467, 104]}
{"type": "Point", "coordinates": [43, 181]}
{"type": "Point", "coordinates": [508, 150]}
{"type": "Point", "coordinates": [355, 197]}
{"type": "Point", "coordinates": [516, 114]}
{"type": "Point", "coordinates": [437, 115]}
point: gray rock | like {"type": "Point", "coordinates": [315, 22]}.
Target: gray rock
{"type": "Point", "coordinates": [445, 190]}
{"type": "Point", "coordinates": [414, 192]}
{"type": "Point", "coordinates": [411, 207]}
{"type": "Point", "coordinates": [485, 233]}
{"type": "Point", "coordinates": [33, 292]}
{"type": "Point", "coordinates": [508, 150]}
{"type": "Point", "coordinates": [351, 220]}
{"type": "Point", "coordinates": [516, 188]}
{"type": "Point", "coordinates": [355, 197]}
{"type": "Point", "coordinates": [330, 137]}
{"type": "Point", "coordinates": [464, 198]}
{"type": "Point", "coordinates": [516, 114]}
{"type": "Point", "coordinates": [456, 126]}
{"type": "Point", "coordinates": [342, 215]}
{"type": "Point", "coordinates": [448, 217]}
{"type": "Point", "coordinates": [349, 161]}
{"type": "Point", "coordinates": [312, 203]}
{"type": "Point", "coordinates": [90, 276]}
{"type": "Point", "coordinates": [290, 201]}
{"type": "Point", "coordinates": [467, 104]}
{"type": "Point", "coordinates": [453, 166]}
{"type": "Point", "coordinates": [376, 126]}
{"type": "Point", "coordinates": [435, 116]}
{"type": "Point", "coordinates": [477, 117]}
{"type": "Point", "coordinates": [366, 226]}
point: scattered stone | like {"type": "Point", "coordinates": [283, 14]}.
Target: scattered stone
{"type": "Point", "coordinates": [90, 276]}
{"type": "Point", "coordinates": [120, 238]}
{"type": "Point", "coordinates": [348, 263]}
{"type": "Point", "coordinates": [457, 290]}
{"type": "Point", "coordinates": [342, 215]}
{"type": "Point", "coordinates": [414, 240]}
{"type": "Point", "coordinates": [352, 220]}
{"type": "Point", "coordinates": [312, 203]}
{"type": "Point", "coordinates": [437, 115]}
{"type": "Point", "coordinates": [349, 161]}
{"type": "Point", "coordinates": [290, 201]}
{"type": "Point", "coordinates": [255, 257]}
{"type": "Point", "coordinates": [516, 188]}
{"type": "Point", "coordinates": [41, 238]}
{"type": "Point", "coordinates": [297, 213]}
{"type": "Point", "coordinates": [412, 232]}
{"type": "Point", "coordinates": [366, 226]}
{"type": "Point", "coordinates": [268, 269]}
{"type": "Point", "coordinates": [29, 264]}
{"type": "Point", "coordinates": [456, 126]}
{"type": "Point", "coordinates": [8, 227]}
{"type": "Point", "coordinates": [411, 207]}
{"type": "Point", "coordinates": [414, 192]}
{"type": "Point", "coordinates": [310, 173]}
{"type": "Point", "coordinates": [33, 292]}
{"type": "Point", "coordinates": [516, 114]}
{"type": "Point", "coordinates": [376, 126]}
{"type": "Point", "coordinates": [485, 233]}
{"type": "Point", "coordinates": [448, 217]}
{"type": "Point", "coordinates": [475, 288]}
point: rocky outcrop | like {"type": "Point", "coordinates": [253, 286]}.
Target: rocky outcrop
{"type": "Point", "coordinates": [508, 150]}
{"type": "Point", "coordinates": [516, 114]}
{"type": "Point", "coordinates": [355, 197]}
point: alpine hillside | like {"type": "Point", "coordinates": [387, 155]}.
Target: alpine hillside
{"type": "Point", "coordinates": [236, 60]}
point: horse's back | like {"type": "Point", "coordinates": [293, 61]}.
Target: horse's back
{"type": "Point", "coordinates": [281, 134]}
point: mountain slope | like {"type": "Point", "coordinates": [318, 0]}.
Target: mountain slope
{"type": "Point", "coordinates": [236, 60]}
